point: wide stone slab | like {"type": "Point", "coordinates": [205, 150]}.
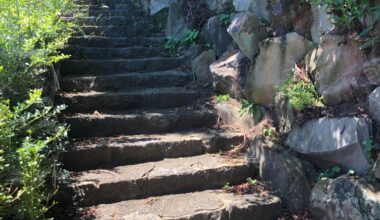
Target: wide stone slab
{"type": "Point", "coordinates": [333, 141]}
{"type": "Point", "coordinates": [92, 153]}
{"type": "Point", "coordinates": [205, 205]}
{"type": "Point", "coordinates": [112, 66]}
{"type": "Point", "coordinates": [97, 41]}
{"type": "Point", "coordinates": [157, 178]}
{"type": "Point", "coordinates": [139, 98]}
{"type": "Point", "coordinates": [139, 122]}
{"type": "Point", "coordinates": [117, 82]}
{"type": "Point", "coordinates": [107, 53]}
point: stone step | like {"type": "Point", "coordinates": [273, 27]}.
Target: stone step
{"type": "Point", "coordinates": [174, 175]}
{"type": "Point", "coordinates": [102, 67]}
{"type": "Point", "coordinates": [117, 82]}
{"type": "Point", "coordinates": [106, 42]}
{"type": "Point", "coordinates": [139, 122]}
{"type": "Point", "coordinates": [100, 2]}
{"type": "Point", "coordinates": [94, 153]}
{"type": "Point", "coordinates": [84, 12]}
{"type": "Point", "coordinates": [109, 53]}
{"type": "Point", "coordinates": [118, 31]}
{"type": "Point", "coordinates": [88, 102]}
{"type": "Point", "coordinates": [106, 6]}
{"type": "Point", "coordinates": [203, 205]}
{"type": "Point", "coordinates": [103, 20]}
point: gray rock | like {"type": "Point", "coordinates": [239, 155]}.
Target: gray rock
{"type": "Point", "coordinates": [273, 65]}
{"type": "Point", "coordinates": [201, 67]}
{"type": "Point", "coordinates": [257, 7]}
{"type": "Point", "coordinates": [156, 6]}
{"type": "Point", "coordinates": [337, 67]}
{"type": "Point", "coordinates": [322, 22]}
{"type": "Point", "coordinates": [229, 115]}
{"type": "Point", "coordinates": [176, 25]}
{"type": "Point", "coordinates": [214, 33]}
{"type": "Point", "coordinates": [229, 73]}
{"type": "Point", "coordinates": [374, 105]}
{"type": "Point", "coordinates": [283, 171]}
{"type": "Point", "coordinates": [219, 5]}
{"type": "Point", "coordinates": [332, 141]}
{"type": "Point", "coordinates": [284, 114]}
{"type": "Point", "coordinates": [247, 31]}
{"type": "Point", "coordinates": [377, 168]}
{"type": "Point", "coordinates": [344, 198]}
{"type": "Point", "coordinates": [372, 71]}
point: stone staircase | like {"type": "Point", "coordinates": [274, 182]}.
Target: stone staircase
{"type": "Point", "coordinates": [142, 145]}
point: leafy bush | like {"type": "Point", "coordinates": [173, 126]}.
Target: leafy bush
{"type": "Point", "coordinates": [226, 18]}
{"type": "Point", "coordinates": [173, 43]}
{"type": "Point", "coordinates": [301, 94]}
{"type": "Point", "coordinates": [29, 138]}
{"type": "Point", "coordinates": [31, 32]}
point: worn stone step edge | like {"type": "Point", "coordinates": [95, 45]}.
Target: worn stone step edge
{"type": "Point", "coordinates": [175, 175]}
{"type": "Point", "coordinates": [160, 121]}
{"type": "Point", "coordinates": [118, 31]}
{"type": "Point", "coordinates": [103, 20]}
{"type": "Point", "coordinates": [203, 205]}
{"type": "Point", "coordinates": [83, 66]}
{"type": "Point", "coordinates": [97, 152]}
{"type": "Point", "coordinates": [108, 53]}
{"type": "Point", "coordinates": [115, 82]}
{"type": "Point", "coordinates": [96, 41]}
{"type": "Point", "coordinates": [88, 102]}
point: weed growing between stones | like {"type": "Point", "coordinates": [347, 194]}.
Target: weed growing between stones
{"type": "Point", "coordinates": [173, 43]}
{"type": "Point", "coordinates": [223, 98]}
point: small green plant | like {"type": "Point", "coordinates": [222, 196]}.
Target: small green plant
{"type": "Point", "coordinates": [191, 36]}
{"type": "Point", "coordinates": [252, 109]}
{"type": "Point", "coordinates": [173, 43]}
{"type": "Point", "coordinates": [369, 149]}
{"type": "Point", "coordinates": [251, 181]}
{"type": "Point", "coordinates": [227, 187]}
{"type": "Point", "coordinates": [330, 173]}
{"type": "Point", "coordinates": [301, 94]}
{"type": "Point", "coordinates": [226, 18]}
{"type": "Point", "coordinates": [223, 98]}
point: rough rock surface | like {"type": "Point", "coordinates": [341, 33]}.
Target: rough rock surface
{"type": "Point", "coordinates": [322, 22]}
{"type": "Point", "coordinates": [374, 105]}
{"type": "Point", "coordinates": [219, 5]}
{"type": "Point", "coordinates": [201, 67]}
{"type": "Point", "coordinates": [256, 7]}
{"type": "Point", "coordinates": [337, 67]}
{"type": "Point", "coordinates": [377, 168]}
{"type": "Point", "coordinates": [156, 6]}
{"type": "Point", "coordinates": [229, 115]}
{"type": "Point", "coordinates": [229, 73]}
{"type": "Point", "coordinates": [372, 71]}
{"type": "Point", "coordinates": [283, 171]}
{"type": "Point", "coordinates": [247, 31]}
{"type": "Point", "coordinates": [176, 25]}
{"type": "Point", "coordinates": [273, 65]}
{"type": "Point", "coordinates": [216, 34]}
{"type": "Point", "coordinates": [284, 114]}
{"type": "Point", "coordinates": [332, 141]}
{"type": "Point", "coordinates": [344, 198]}
{"type": "Point", "coordinates": [206, 205]}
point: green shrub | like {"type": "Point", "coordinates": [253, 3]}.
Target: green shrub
{"type": "Point", "coordinates": [301, 94]}
{"type": "Point", "coordinates": [29, 138]}
{"type": "Point", "coordinates": [252, 109]}
{"type": "Point", "coordinates": [173, 43]}
{"type": "Point", "coordinates": [226, 18]}
{"type": "Point", "coordinates": [31, 32]}
{"type": "Point", "coordinates": [223, 98]}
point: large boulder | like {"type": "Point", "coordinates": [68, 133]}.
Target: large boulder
{"type": "Point", "coordinates": [273, 65]}
{"type": "Point", "coordinates": [374, 105]}
{"type": "Point", "coordinates": [247, 31]}
{"type": "Point", "coordinates": [229, 114]}
{"type": "Point", "coordinates": [219, 5]}
{"type": "Point", "coordinates": [256, 7]}
{"type": "Point", "coordinates": [229, 73]}
{"type": "Point", "coordinates": [331, 141]}
{"type": "Point", "coordinates": [337, 67]}
{"type": "Point", "coordinates": [284, 172]}
{"type": "Point", "coordinates": [214, 33]}
{"type": "Point", "coordinates": [344, 198]}
{"type": "Point", "coordinates": [322, 22]}
{"type": "Point", "coordinates": [175, 24]}
{"type": "Point", "coordinates": [156, 6]}
{"type": "Point", "coordinates": [201, 67]}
